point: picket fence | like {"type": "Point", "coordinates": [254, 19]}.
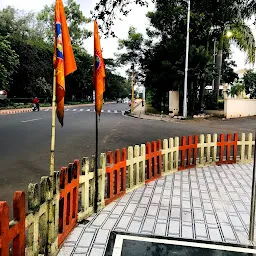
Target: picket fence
{"type": "Point", "coordinates": [56, 205]}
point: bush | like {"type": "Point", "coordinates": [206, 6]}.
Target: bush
{"type": "Point", "coordinates": [5, 103]}
{"type": "Point", "coordinates": [210, 103]}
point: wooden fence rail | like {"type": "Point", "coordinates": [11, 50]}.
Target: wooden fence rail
{"type": "Point", "coordinates": [54, 206]}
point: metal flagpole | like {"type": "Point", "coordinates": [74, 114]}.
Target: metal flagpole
{"type": "Point", "coordinates": [252, 213]}
{"type": "Point", "coordinates": [96, 166]}
{"type": "Point", "coordinates": [53, 126]}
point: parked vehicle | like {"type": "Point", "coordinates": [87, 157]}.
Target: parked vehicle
{"type": "Point", "coordinates": [126, 100]}
{"type": "Point", "coordinates": [3, 94]}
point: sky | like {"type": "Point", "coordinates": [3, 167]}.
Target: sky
{"type": "Point", "coordinates": [135, 18]}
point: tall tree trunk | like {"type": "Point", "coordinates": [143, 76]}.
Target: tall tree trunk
{"type": "Point", "coordinates": [203, 85]}
{"type": "Point", "coordinates": [218, 66]}
{"type": "Point", "coordinates": [201, 94]}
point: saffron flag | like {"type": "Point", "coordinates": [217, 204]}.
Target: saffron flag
{"type": "Point", "coordinates": [99, 71]}
{"type": "Point", "coordinates": [64, 61]}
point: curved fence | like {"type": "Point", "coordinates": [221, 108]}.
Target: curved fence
{"type": "Point", "coordinates": [55, 206]}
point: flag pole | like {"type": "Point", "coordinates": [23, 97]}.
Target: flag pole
{"type": "Point", "coordinates": [253, 197]}
{"type": "Point", "coordinates": [53, 126]}
{"type": "Point", "coordinates": [96, 165]}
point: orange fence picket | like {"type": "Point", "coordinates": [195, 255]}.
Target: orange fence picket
{"type": "Point", "coordinates": [188, 152]}
{"type": "Point", "coordinates": [116, 175]}
{"type": "Point", "coordinates": [153, 161]}
{"type": "Point", "coordinates": [227, 149]}
{"type": "Point", "coordinates": [16, 231]}
{"type": "Point", "coordinates": [68, 206]}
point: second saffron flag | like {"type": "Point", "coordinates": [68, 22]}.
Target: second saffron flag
{"type": "Point", "coordinates": [99, 71]}
{"type": "Point", "coordinates": [64, 61]}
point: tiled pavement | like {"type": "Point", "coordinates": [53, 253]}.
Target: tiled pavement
{"type": "Point", "coordinates": [210, 203]}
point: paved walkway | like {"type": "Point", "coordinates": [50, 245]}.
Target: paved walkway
{"type": "Point", "coordinates": [210, 203]}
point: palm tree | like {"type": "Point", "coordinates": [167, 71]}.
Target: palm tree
{"type": "Point", "coordinates": [232, 18]}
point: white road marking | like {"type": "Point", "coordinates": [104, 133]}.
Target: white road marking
{"type": "Point", "coordinates": [88, 110]}
{"type": "Point", "coordinates": [81, 110]}
{"type": "Point", "coordinates": [74, 109]}
{"type": "Point", "coordinates": [31, 120]}
{"type": "Point", "coordinates": [67, 109]}
{"type": "Point", "coordinates": [109, 111]}
{"type": "Point", "coordinates": [47, 109]}
{"type": "Point", "coordinates": [102, 110]}
{"type": "Point", "coordinates": [115, 111]}
{"type": "Point", "coordinates": [119, 244]}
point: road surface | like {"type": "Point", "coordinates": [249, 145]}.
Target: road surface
{"type": "Point", "coordinates": [25, 139]}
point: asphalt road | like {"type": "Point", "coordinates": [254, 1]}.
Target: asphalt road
{"type": "Point", "coordinates": [25, 139]}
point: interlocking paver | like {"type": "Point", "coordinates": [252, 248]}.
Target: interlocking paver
{"type": "Point", "coordinates": [203, 203]}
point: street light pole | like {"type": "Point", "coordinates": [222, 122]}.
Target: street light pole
{"type": "Point", "coordinates": [214, 59]}
{"type": "Point", "coordinates": [185, 110]}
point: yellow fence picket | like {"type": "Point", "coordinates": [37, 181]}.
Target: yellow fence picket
{"type": "Point", "coordinates": [245, 146]}
{"type": "Point", "coordinates": [170, 154]}
{"type": "Point", "coordinates": [135, 167]}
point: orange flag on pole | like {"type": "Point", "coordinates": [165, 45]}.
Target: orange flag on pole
{"type": "Point", "coordinates": [99, 71]}
{"type": "Point", "coordinates": [64, 60]}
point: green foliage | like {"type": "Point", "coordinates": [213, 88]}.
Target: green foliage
{"type": "Point", "coordinates": [26, 56]}
{"type": "Point", "coordinates": [9, 62]}
{"type": "Point", "coordinates": [228, 74]}
{"type": "Point", "coordinates": [250, 83]}
{"type": "Point", "coordinates": [132, 54]}
{"type": "Point", "coordinates": [210, 103]}
{"type": "Point", "coordinates": [236, 89]}
{"type": "Point", "coordinates": [75, 18]}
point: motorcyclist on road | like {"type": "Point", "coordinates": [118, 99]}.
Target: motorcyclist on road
{"type": "Point", "coordinates": [36, 102]}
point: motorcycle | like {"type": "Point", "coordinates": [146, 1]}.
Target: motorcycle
{"type": "Point", "coordinates": [34, 107]}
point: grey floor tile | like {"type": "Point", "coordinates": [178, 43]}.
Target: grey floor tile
{"type": "Point", "coordinates": [97, 252]}
{"type": "Point", "coordinates": [65, 251]}
{"type": "Point", "coordinates": [160, 229]}
{"type": "Point", "coordinates": [215, 235]}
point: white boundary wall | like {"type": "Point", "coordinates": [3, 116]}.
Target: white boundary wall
{"type": "Point", "coordinates": [234, 108]}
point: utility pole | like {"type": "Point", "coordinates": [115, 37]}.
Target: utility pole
{"type": "Point", "coordinates": [132, 103]}
{"type": "Point", "coordinates": [185, 107]}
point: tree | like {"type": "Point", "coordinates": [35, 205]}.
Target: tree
{"type": "Point", "coordinates": [250, 83]}
{"type": "Point", "coordinates": [75, 18]}
{"type": "Point", "coordinates": [133, 52]}
{"type": "Point", "coordinates": [108, 10]}
{"type": "Point", "coordinates": [231, 15]}
{"type": "Point", "coordinates": [9, 62]}
{"type": "Point", "coordinates": [18, 24]}
{"type": "Point", "coordinates": [117, 86]}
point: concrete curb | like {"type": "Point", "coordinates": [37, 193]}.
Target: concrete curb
{"type": "Point", "coordinates": [25, 110]}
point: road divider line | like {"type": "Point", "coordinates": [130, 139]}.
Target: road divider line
{"type": "Point", "coordinates": [88, 110]}
{"type": "Point", "coordinates": [32, 120]}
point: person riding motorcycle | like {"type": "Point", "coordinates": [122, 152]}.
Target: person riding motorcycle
{"type": "Point", "coordinates": [36, 102]}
